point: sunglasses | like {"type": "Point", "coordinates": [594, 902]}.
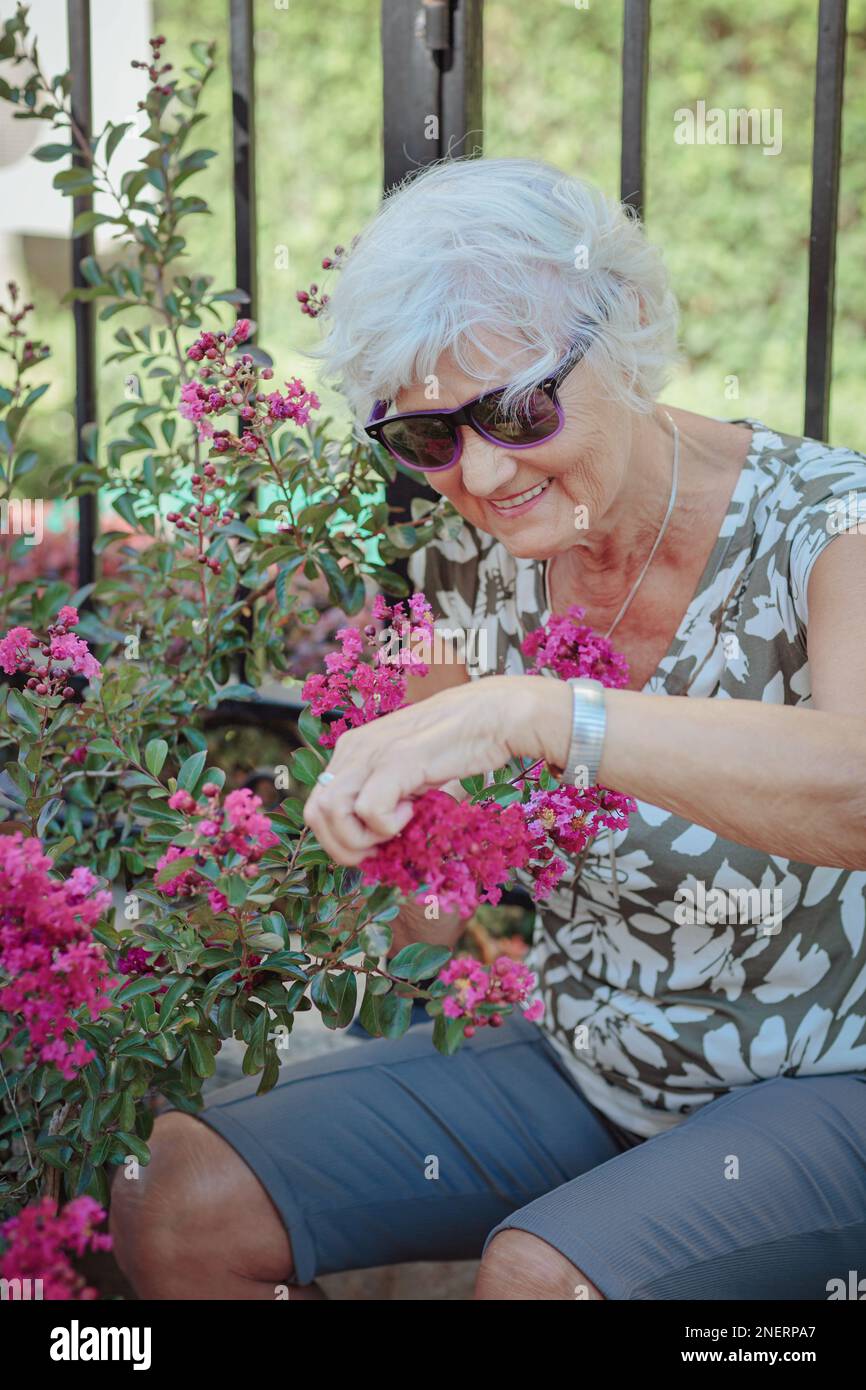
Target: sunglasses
{"type": "Point", "coordinates": [430, 440]}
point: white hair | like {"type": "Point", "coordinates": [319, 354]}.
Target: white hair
{"type": "Point", "coordinates": [512, 246]}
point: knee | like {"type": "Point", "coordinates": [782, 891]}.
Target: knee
{"type": "Point", "coordinates": [193, 1215]}
{"type": "Point", "coordinates": [517, 1265]}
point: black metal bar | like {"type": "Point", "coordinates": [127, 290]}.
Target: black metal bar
{"type": "Point", "coordinates": [826, 158]}
{"type": "Point", "coordinates": [242, 61]}
{"type": "Point", "coordinates": [432, 90]}
{"type": "Point", "coordinates": [432, 54]}
{"type": "Point", "coordinates": [78, 25]}
{"type": "Point", "coordinates": [635, 83]}
{"type": "Point", "coordinates": [244, 147]}
{"type": "Point", "coordinates": [411, 91]}
{"type": "Point", "coordinates": [462, 91]}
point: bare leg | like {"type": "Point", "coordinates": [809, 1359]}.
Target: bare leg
{"type": "Point", "coordinates": [518, 1265]}
{"type": "Point", "coordinates": [197, 1223]}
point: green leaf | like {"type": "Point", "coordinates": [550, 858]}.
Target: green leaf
{"type": "Point", "coordinates": [191, 770]}
{"type": "Point", "coordinates": [310, 728]}
{"type": "Point", "coordinates": [48, 153]}
{"type": "Point", "coordinates": [176, 867]}
{"type": "Point", "coordinates": [55, 851]}
{"type": "Point", "coordinates": [447, 1034]}
{"type": "Point", "coordinates": [155, 755]}
{"type": "Point", "coordinates": [342, 995]}
{"type": "Point", "coordinates": [170, 998]}
{"type": "Point", "coordinates": [376, 940]}
{"type": "Point", "coordinates": [104, 745]}
{"type": "Point", "coordinates": [203, 1060]}
{"type": "Point", "coordinates": [271, 1073]}
{"type": "Point", "coordinates": [420, 961]}
{"type": "Point", "coordinates": [22, 711]}
{"type": "Point", "coordinates": [133, 1145]}
{"type": "Point", "coordinates": [306, 766]}
{"type": "Point", "coordinates": [141, 985]}
{"type": "Point", "coordinates": [114, 138]}
{"type": "Point", "coordinates": [86, 221]}
{"type": "Point", "coordinates": [395, 1015]}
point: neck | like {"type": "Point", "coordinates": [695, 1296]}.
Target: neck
{"type": "Point", "coordinates": [604, 564]}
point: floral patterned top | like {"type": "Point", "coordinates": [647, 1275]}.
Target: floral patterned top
{"type": "Point", "coordinates": [662, 993]}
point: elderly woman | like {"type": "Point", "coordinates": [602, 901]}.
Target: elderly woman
{"type": "Point", "coordinates": [689, 1121]}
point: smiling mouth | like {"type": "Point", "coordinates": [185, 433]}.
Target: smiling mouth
{"type": "Point", "coordinates": [519, 499]}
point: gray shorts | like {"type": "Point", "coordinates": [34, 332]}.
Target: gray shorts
{"type": "Point", "coordinates": [389, 1152]}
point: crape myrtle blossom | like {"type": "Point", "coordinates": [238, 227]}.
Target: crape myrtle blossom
{"type": "Point", "coordinates": [231, 386]}
{"type": "Point", "coordinates": [359, 690]}
{"type": "Point", "coordinates": [482, 995]}
{"type": "Point", "coordinates": [55, 972]}
{"type": "Point", "coordinates": [41, 1242]}
{"type": "Point", "coordinates": [233, 835]}
{"type": "Point", "coordinates": [203, 517]}
{"type": "Point", "coordinates": [570, 648]}
{"type": "Point", "coordinates": [463, 853]}
{"type": "Point", "coordinates": [48, 663]}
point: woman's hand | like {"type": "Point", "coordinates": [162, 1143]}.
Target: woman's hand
{"type": "Point", "coordinates": [466, 730]}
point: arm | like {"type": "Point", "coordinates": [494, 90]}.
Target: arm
{"type": "Point", "coordinates": [790, 782]}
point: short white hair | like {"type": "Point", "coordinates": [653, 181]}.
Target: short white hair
{"type": "Point", "coordinates": [512, 246]}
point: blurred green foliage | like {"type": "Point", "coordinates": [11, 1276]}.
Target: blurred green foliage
{"type": "Point", "coordinates": [733, 221]}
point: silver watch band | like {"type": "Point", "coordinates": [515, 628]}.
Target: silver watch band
{"type": "Point", "coordinates": [588, 723]}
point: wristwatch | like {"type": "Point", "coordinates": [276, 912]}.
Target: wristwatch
{"type": "Point", "coordinates": [588, 723]}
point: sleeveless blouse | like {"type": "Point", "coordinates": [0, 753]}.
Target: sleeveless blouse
{"type": "Point", "coordinates": [677, 965]}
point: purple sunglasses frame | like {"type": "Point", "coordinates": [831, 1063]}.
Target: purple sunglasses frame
{"type": "Point", "coordinates": [462, 415]}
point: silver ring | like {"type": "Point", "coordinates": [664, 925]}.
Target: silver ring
{"type": "Point", "coordinates": [325, 777]}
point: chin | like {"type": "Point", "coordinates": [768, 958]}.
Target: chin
{"type": "Point", "coordinates": [530, 546]}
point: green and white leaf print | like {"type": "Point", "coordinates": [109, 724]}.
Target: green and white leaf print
{"type": "Point", "coordinates": [653, 1015]}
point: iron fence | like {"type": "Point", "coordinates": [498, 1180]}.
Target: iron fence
{"type": "Point", "coordinates": [432, 57]}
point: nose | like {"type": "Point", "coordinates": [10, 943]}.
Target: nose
{"type": "Point", "coordinates": [484, 467]}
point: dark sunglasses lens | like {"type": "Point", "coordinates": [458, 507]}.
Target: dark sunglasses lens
{"type": "Point", "coordinates": [421, 443]}
{"type": "Point", "coordinates": [536, 421]}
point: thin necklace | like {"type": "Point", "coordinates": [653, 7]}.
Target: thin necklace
{"type": "Point", "coordinates": [675, 470]}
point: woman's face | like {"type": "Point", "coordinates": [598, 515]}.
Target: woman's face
{"type": "Point", "coordinates": [577, 478]}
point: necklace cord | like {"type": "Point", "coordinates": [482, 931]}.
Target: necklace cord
{"type": "Point", "coordinates": [675, 468]}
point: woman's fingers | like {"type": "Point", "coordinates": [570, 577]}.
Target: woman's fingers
{"type": "Point", "coordinates": [377, 770]}
{"type": "Point", "coordinates": [329, 814]}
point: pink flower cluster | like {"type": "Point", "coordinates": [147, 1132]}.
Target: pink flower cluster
{"type": "Point", "coordinates": [313, 301]}
{"type": "Point", "coordinates": [462, 852]}
{"type": "Point", "coordinates": [569, 818]}
{"type": "Point", "coordinates": [62, 655]}
{"type": "Point", "coordinates": [41, 1242]}
{"type": "Point", "coordinates": [136, 961]}
{"type": "Point", "coordinates": [234, 836]}
{"type": "Point", "coordinates": [361, 691]}
{"type": "Point", "coordinates": [214, 346]}
{"type": "Point", "coordinates": [226, 385]}
{"type": "Point", "coordinates": [570, 648]}
{"type": "Point", "coordinates": [154, 72]}
{"type": "Point", "coordinates": [203, 517]}
{"type": "Point", "coordinates": [475, 989]}
{"type": "Point", "coordinates": [47, 953]}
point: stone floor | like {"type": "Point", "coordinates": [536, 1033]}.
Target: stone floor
{"type": "Point", "coordinates": [428, 1282]}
